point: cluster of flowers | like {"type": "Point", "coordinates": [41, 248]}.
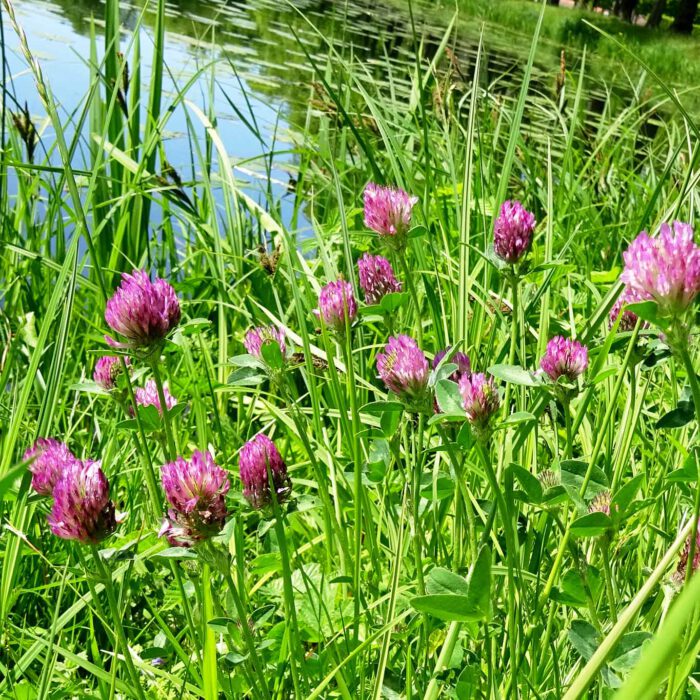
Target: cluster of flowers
{"type": "Point", "coordinates": [81, 508]}
{"type": "Point", "coordinates": [665, 270]}
{"type": "Point", "coordinates": [143, 313]}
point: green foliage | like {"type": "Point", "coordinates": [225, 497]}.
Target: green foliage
{"type": "Point", "coordinates": [415, 557]}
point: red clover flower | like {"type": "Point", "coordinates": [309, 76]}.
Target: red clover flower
{"type": "Point", "coordinates": [50, 458]}
{"type": "Point", "coordinates": [256, 457]}
{"type": "Point", "coordinates": [141, 311]}
{"type": "Point", "coordinates": [564, 358]}
{"type": "Point", "coordinates": [682, 568]}
{"type": "Point", "coordinates": [195, 490]}
{"type": "Point", "coordinates": [665, 269]}
{"type": "Point", "coordinates": [255, 338]}
{"type": "Point", "coordinates": [376, 277]}
{"type": "Point", "coordinates": [107, 369]}
{"type": "Point", "coordinates": [82, 509]}
{"type": "Point", "coordinates": [512, 234]}
{"type": "Point", "coordinates": [481, 400]}
{"type": "Point", "coordinates": [388, 212]}
{"type": "Point", "coordinates": [335, 301]}
{"type": "Point", "coordinates": [405, 370]}
{"type": "Point", "coordinates": [148, 396]}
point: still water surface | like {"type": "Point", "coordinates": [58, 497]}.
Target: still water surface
{"type": "Point", "coordinates": [253, 49]}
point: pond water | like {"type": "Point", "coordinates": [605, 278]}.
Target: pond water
{"type": "Point", "coordinates": [259, 65]}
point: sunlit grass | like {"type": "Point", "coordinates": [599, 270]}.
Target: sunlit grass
{"type": "Point", "coordinates": [388, 509]}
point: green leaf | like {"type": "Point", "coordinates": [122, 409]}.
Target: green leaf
{"type": "Point", "coordinates": [443, 581]}
{"type": "Point", "coordinates": [572, 475]}
{"type": "Point", "coordinates": [530, 483]}
{"type": "Point", "coordinates": [620, 502]}
{"type": "Point", "coordinates": [443, 372]}
{"type": "Point", "coordinates": [89, 388]}
{"type": "Point", "coordinates": [176, 553]}
{"type": "Point", "coordinates": [376, 408]}
{"type": "Point", "coordinates": [389, 422]}
{"type": "Point", "coordinates": [681, 415]}
{"type": "Point", "coordinates": [646, 310]}
{"type": "Point", "coordinates": [246, 376]}
{"type": "Point", "coordinates": [443, 487]}
{"type": "Point", "coordinates": [517, 418]}
{"type": "Point", "coordinates": [417, 231]}
{"type": "Point", "coordinates": [245, 361]}
{"type": "Point", "coordinates": [583, 638]}
{"type": "Point", "coordinates": [628, 651]}
{"type": "Point", "coordinates": [272, 354]}
{"type": "Point", "coordinates": [448, 397]}
{"type": "Point", "coordinates": [392, 302]}
{"type": "Point", "coordinates": [454, 599]}
{"type": "Point", "coordinates": [591, 525]}
{"type": "Point", "coordinates": [512, 374]}
{"type": "Point", "coordinates": [688, 472]}
{"type": "Point", "coordinates": [447, 607]}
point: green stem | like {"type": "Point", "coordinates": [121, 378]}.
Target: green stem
{"type": "Point", "coordinates": [290, 608]}
{"type": "Point", "coordinates": [695, 390]}
{"type": "Point", "coordinates": [117, 621]}
{"type": "Point", "coordinates": [209, 666]}
{"type": "Point", "coordinates": [605, 551]}
{"type": "Point", "coordinates": [142, 446]}
{"type": "Point", "coordinates": [569, 435]}
{"type": "Point", "coordinates": [247, 634]}
{"type": "Point", "coordinates": [414, 296]}
{"type": "Point", "coordinates": [433, 690]}
{"type": "Point", "coordinates": [155, 366]}
{"type": "Point", "coordinates": [357, 477]}
{"type": "Point", "coordinates": [510, 556]}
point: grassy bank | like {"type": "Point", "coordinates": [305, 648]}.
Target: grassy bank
{"type": "Point", "coordinates": [417, 554]}
{"type": "Point", "coordinates": [676, 59]}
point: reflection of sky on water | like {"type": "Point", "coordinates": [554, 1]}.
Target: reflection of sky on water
{"type": "Point", "coordinates": [64, 53]}
{"type": "Point", "coordinates": [252, 38]}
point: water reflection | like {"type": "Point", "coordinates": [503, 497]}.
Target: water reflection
{"type": "Point", "coordinates": [260, 64]}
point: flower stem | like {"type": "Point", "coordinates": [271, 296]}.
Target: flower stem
{"type": "Point", "coordinates": [566, 405]}
{"type": "Point", "coordinates": [414, 296]}
{"type": "Point", "coordinates": [510, 557]}
{"type": "Point", "coordinates": [155, 366]}
{"type": "Point", "coordinates": [246, 632]}
{"type": "Point", "coordinates": [290, 609]}
{"type": "Point", "coordinates": [106, 577]}
{"type": "Point", "coordinates": [695, 390]}
{"type": "Point", "coordinates": [351, 390]}
{"type": "Point", "coordinates": [605, 551]}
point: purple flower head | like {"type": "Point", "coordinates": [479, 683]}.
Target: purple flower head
{"type": "Point", "coordinates": [600, 503]}
{"type": "Point", "coordinates": [664, 269]}
{"type": "Point", "coordinates": [142, 311]}
{"type": "Point", "coordinates": [564, 358]}
{"type": "Point", "coordinates": [480, 399]}
{"type": "Point", "coordinates": [195, 490]}
{"type": "Point", "coordinates": [148, 396]}
{"type": "Point", "coordinates": [464, 366]}
{"type": "Point", "coordinates": [404, 369]}
{"type": "Point", "coordinates": [256, 456]}
{"type": "Point", "coordinates": [682, 568]}
{"type": "Point", "coordinates": [512, 233]}
{"type": "Point", "coordinates": [388, 211]}
{"type": "Point", "coordinates": [334, 302]}
{"type": "Point", "coordinates": [49, 460]}
{"type": "Point", "coordinates": [107, 369]}
{"type": "Point", "coordinates": [376, 277]}
{"type": "Point", "coordinates": [82, 509]}
{"type": "Point", "coordinates": [255, 338]}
